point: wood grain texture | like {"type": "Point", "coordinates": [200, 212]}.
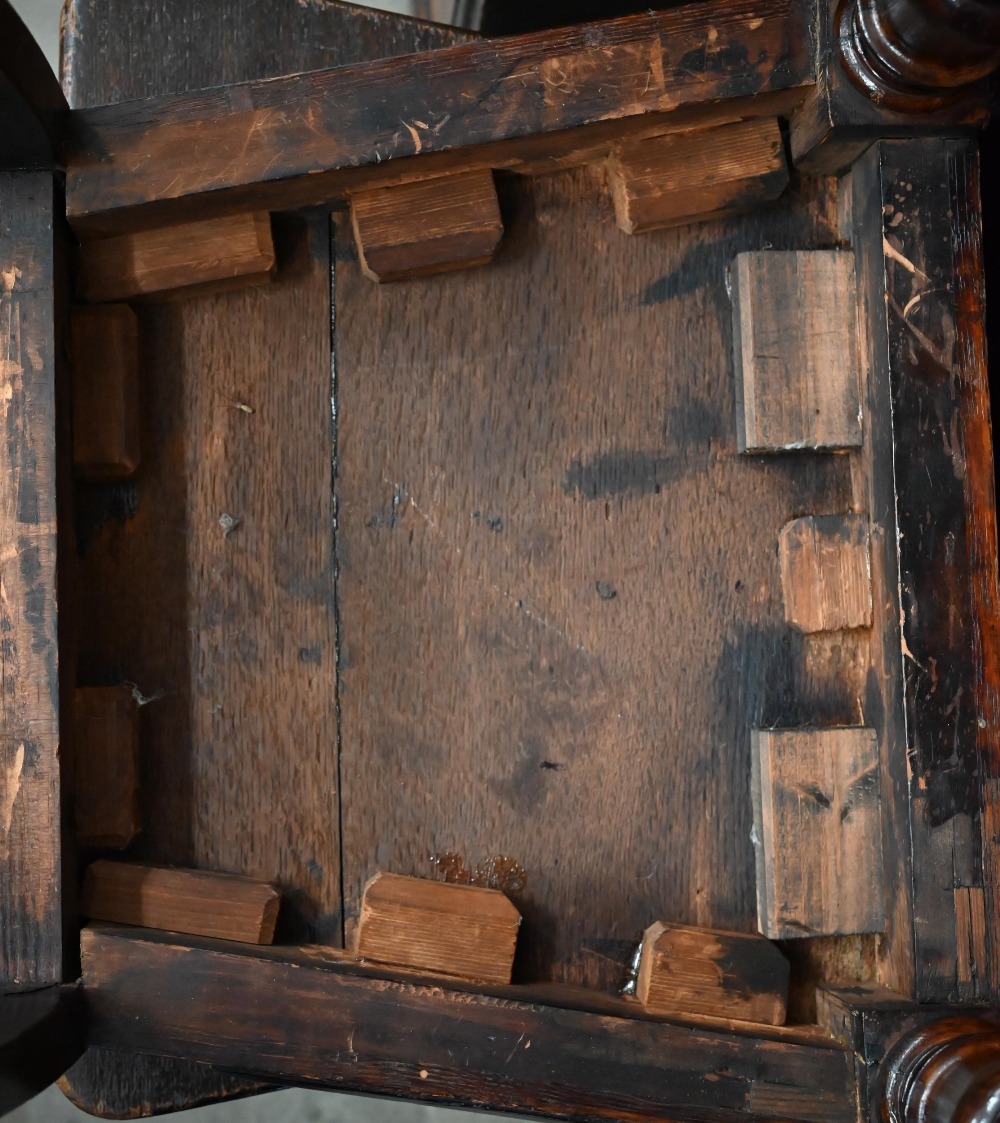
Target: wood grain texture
{"type": "Point", "coordinates": [817, 832]}
{"type": "Point", "coordinates": [915, 208]}
{"type": "Point", "coordinates": [826, 572]}
{"type": "Point", "coordinates": [704, 971]}
{"type": "Point", "coordinates": [31, 935]}
{"type": "Point", "coordinates": [277, 598]}
{"type": "Point", "coordinates": [308, 139]}
{"type": "Point", "coordinates": [795, 329]}
{"type": "Point", "coordinates": [516, 495]}
{"type": "Point", "coordinates": [670, 180]}
{"type": "Point", "coordinates": [120, 1084]}
{"type": "Point", "coordinates": [104, 352]}
{"type": "Point", "coordinates": [433, 226]}
{"type": "Point", "coordinates": [448, 929]}
{"type": "Point", "coordinates": [970, 936]}
{"type": "Point", "coordinates": [41, 1035]}
{"type": "Point", "coordinates": [195, 257]}
{"type": "Point", "coordinates": [339, 1029]}
{"type": "Point", "coordinates": [106, 751]}
{"type": "Point", "coordinates": [196, 902]}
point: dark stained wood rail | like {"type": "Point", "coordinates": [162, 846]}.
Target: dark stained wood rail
{"type": "Point", "coordinates": [534, 101]}
{"type": "Point", "coordinates": [301, 1020]}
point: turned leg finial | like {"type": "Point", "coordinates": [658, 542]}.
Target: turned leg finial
{"type": "Point", "coordinates": [945, 1072]}
{"type": "Point", "coordinates": [918, 54]}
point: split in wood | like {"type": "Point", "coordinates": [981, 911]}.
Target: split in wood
{"type": "Point", "coordinates": [213, 255]}
{"type": "Point", "coordinates": [195, 902]}
{"type": "Point", "coordinates": [106, 764]}
{"type": "Point", "coordinates": [817, 832]}
{"type": "Point", "coordinates": [685, 970]}
{"type": "Point", "coordinates": [431, 226]}
{"type": "Point", "coordinates": [104, 349]}
{"type": "Point", "coordinates": [826, 572]}
{"type": "Point", "coordinates": [686, 177]}
{"type": "Point", "coordinates": [796, 351]}
{"type": "Point", "coordinates": [447, 929]}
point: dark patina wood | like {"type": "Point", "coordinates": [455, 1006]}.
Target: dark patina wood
{"type": "Point", "coordinates": [32, 107]}
{"type": "Point", "coordinates": [304, 1021]}
{"type": "Point", "coordinates": [41, 1035]}
{"type": "Point", "coordinates": [311, 139]}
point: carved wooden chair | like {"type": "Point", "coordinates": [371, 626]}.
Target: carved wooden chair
{"type": "Point", "coordinates": [551, 471]}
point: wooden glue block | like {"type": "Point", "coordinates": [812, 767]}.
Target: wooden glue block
{"type": "Point", "coordinates": [704, 971]}
{"type": "Point", "coordinates": [106, 766]}
{"type": "Point", "coordinates": [446, 929]}
{"type": "Point", "coordinates": [817, 832]}
{"type": "Point", "coordinates": [826, 572]}
{"type": "Point", "coordinates": [796, 351]}
{"type": "Point", "coordinates": [685, 177]}
{"type": "Point", "coordinates": [211, 255]}
{"type": "Point", "coordinates": [104, 350]}
{"type": "Point", "coordinates": [431, 226]}
{"type": "Point", "coordinates": [195, 902]}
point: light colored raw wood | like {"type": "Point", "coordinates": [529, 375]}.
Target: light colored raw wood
{"type": "Point", "coordinates": [817, 832]}
{"type": "Point", "coordinates": [196, 902]}
{"type": "Point", "coordinates": [106, 765]}
{"type": "Point", "coordinates": [686, 177]}
{"type": "Point", "coordinates": [970, 932]}
{"type": "Point", "coordinates": [104, 349]}
{"type": "Point", "coordinates": [449, 929]}
{"type": "Point", "coordinates": [795, 336]}
{"type": "Point", "coordinates": [432, 226]}
{"type": "Point", "coordinates": [826, 572]}
{"type": "Point", "coordinates": [705, 971]}
{"type": "Point", "coordinates": [213, 255]}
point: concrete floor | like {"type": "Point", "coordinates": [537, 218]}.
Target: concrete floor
{"type": "Point", "coordinates": [293, 1105]}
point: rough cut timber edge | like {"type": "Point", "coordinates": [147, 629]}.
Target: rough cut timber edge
{"type": "Point", "coordinates": [423, 1042]}
{"type": "Point", "coordinates": [309, 139]}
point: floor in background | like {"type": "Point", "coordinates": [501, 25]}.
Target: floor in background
{"type": "Point", "coordinates": [295, 1105]}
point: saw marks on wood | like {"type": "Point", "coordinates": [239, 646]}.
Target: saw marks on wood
{"type": "Point", "coordinates": [559, 594]}
{"type": "Point", "coordinates": [448, 929]}
{"type": "Point", "coordinates": [795, 337]}
{"type": "Point", "coordinates": [818, 832]}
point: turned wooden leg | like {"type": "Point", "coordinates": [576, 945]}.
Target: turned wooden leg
{"type": "Point", "coordinates": [908, 53]}
{"type": "Point", "coordinates": [945, 1072]}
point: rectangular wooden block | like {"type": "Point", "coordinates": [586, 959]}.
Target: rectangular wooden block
{"type": "Point", "coordinates": [826, 572]}
{"type": "Point", "coordinates": [104, 351]}
{"type": "Point", "coordinates": [796, 352]}
{"type": "Point", "coordinates": [817, 832]}
{"type": "Point", "coordinates": [705, 971]}
{"type": "Point", "coordinates": [432, 226]}
{"type": "Point", "coordinates": [684, 177]}
{"type": "Point", "coordinates": [196, 902]}
{"type": "Point", "coordinates": [448, 929]}
{"type": "Point", "coordinates": [106, 764]}
{"type": "Point", "coordinates": [212, 255]}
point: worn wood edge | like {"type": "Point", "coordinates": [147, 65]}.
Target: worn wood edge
{"type": "Point", "coordinates": [440, 1046]}
{"type": "Point", "coordinates": [106, 195]}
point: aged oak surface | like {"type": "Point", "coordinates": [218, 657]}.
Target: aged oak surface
{"type": "Point", "coordinates": [306, 139]}
{"type": "Point", "coordinates": [917, 228]}
{"type": "Point", "coordinates": [559, 619]}
{"type": "Point", "coordinates": [107, 809]}
{"type": "Point", "coordinates": [202, 802]}
{"type": "Point", "coordinates": [826, 572]}
{"type": "Point", "coordinates": [202, 903]}
{"type": "Point", "coordinates": [31, 857]}
{"type": "Point", "coordinates": [461, 930]}
{"type": "Point", "coordinates": [306, 1021]}
{"type": "Point", "coordinates": [702, 970]}
{"type": "Point", "coordinates": [674, 179]}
